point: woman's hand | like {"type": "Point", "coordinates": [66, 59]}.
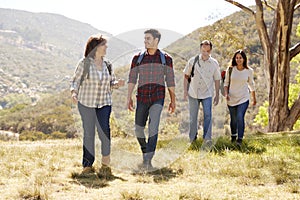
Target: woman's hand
{"type": "Point", "coordinates": [121, 82]}
{"type": "Point", "coordinates": [254, 102]}
{"type": "Point", "coordinates": [74, 97]}
{"type": "Point", "coordinates": [227, 97]}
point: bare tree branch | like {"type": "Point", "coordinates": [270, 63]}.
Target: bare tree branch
{"type": "Point", "coordinates": [262, 30]}
{"type": "Point", "coordinates": [259, 18]}
{"type": "Point", "coordinates": [295, 50]}
{"type": "Point", "coordinates": [244, 8]}
{"type": "Point", "coordinates": [267, 5]}
{"type": "Point", "coordinates": [297, 4]}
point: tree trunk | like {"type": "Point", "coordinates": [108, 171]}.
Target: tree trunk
{"type": "Point", "coordinates": [279, 92]}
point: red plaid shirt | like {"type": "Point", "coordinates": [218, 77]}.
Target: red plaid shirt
{"type": "Point", "coordinates": [151, 76]}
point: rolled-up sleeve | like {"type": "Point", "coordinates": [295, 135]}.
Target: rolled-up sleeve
{"type": "Point", "coordinates": [133, 73]}
{"type": "Point", "coordinates": [226, 80]}
{"type": "Point", "coordinates": [188, 68]}
{"type": "Point", "coordinates": [170, 76]}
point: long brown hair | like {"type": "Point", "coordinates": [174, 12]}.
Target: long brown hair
{"type": "Point", "coordinates": [92, 43]}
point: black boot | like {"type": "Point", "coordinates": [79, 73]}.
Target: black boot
{"type": "Point", "coordinates": [233, 139]}
{"type": "Point", "coordinates": [239, 142]}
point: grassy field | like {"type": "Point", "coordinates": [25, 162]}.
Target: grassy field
{"type": "Point", "coordinates": [265, 167]}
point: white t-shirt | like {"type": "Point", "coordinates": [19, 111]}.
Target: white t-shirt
{"type": "Point", "coordinates": [205, 75]}
{"type": "Point", "coordinates": [240, 84]}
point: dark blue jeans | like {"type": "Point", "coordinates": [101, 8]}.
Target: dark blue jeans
{"type": "Point", "coordinates": [92, 118]}
{"type": "Point", "coordinates": [237, 122]}
{"type": "Point", "coordinates": [143, 111]}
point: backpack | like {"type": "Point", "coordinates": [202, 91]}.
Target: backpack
{"type": "Point", "coordinates": [86, 68]}
{"type": "Point", "coordinates": [193, 68]}
{"type": "Point", "coordinates": [162, 58]}
{"type": "Point", "coordinates": [223, 73]}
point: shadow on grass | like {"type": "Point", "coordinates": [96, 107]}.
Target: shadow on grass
{"type": "Point", "coordinates": [221, 145]}
{"type": "Point", "coordinates": [93, 179]}
{"type": "Point", "coordinates": [160, 175]}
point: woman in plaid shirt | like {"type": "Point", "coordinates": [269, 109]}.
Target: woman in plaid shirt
{"type": "Point", "coordinates": [91, 88]}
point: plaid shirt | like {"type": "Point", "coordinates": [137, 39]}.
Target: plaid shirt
{"type": "Point", "coordinates": [151, 75]}
{"type": "Point", "coordinates": [95, 91]}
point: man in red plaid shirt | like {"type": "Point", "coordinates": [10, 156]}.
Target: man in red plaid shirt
{"type": "Point", "coordinates": [151, 75]}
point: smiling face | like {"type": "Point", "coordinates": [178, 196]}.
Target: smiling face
{"type": "Point", "coordinates": [239, 59]}
{"type": "Point", "coordinates": [150, 42]}
{"type": "Point", "coordinates": [205, 51]}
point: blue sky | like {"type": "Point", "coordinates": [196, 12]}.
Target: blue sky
{"type": "Point", "coordinates": [118, 16]}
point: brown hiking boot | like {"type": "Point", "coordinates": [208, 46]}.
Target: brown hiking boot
{"type": "Point", "coordinates": [87, 170]}
{"type": "Point", "coordinates": [105, 172]}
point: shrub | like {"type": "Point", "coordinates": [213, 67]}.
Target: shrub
{"type": "Point", "coordinates": [33, 135]}
{"type": "Point", "coordinates": [58, 135]}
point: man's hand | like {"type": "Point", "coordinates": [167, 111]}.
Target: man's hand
{"type": "Point", "coordinates": [172, 107]}
{"type": "Point", "coordinates": [130, 104]}
{"type": "Point", "coordinates": [216, 100]}
{"type": "Point", "coordinates": [185, 96]}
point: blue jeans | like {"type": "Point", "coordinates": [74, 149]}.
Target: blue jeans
{"type": "Point", "coordinates": [92, 118]}
{"type": "Point", "coordinates": [143, 111]}
{"type": "Point", "coordinates": [237, 122]}
{"type": "Point", "coordinates": [207, 115]}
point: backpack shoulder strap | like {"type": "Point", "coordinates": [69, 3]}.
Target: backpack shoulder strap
{"type": "Point", "coordinates": [109, 66]}
{"type": "Point", "coordinates": [230, 71]}
{"type": "Point", "coordinates": [140, 58]}
{"type": "Point", "coordinates": [163, 57]}
{"type": "Point", "coordinates": [193, 67]}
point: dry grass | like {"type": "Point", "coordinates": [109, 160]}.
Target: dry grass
{"type": "Point", "coordinates": [266, 167]}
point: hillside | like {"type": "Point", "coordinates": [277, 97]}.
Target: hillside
{"type": "Point", "coordinates": [39, 51]}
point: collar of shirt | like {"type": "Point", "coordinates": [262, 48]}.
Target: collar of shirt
{"type": "Point", "coordinates": [157, 52]}
{"type": "Point", "coordinates": [200, 58]}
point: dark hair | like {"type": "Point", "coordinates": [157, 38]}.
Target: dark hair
{"type": "Point", "coordinates": [206, 42]}
{"type": "Point", "coordinates": [243, 54]}
{"type": "Point", "coordinates": [155, 33]}
{"type": "Point", "coordinates": [91, 45]}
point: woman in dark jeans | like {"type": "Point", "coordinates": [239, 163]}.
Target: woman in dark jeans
{"type": "Point", "coordinates": [91, 88]}
{"type": "Point", "coordinates": [236, 87]}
